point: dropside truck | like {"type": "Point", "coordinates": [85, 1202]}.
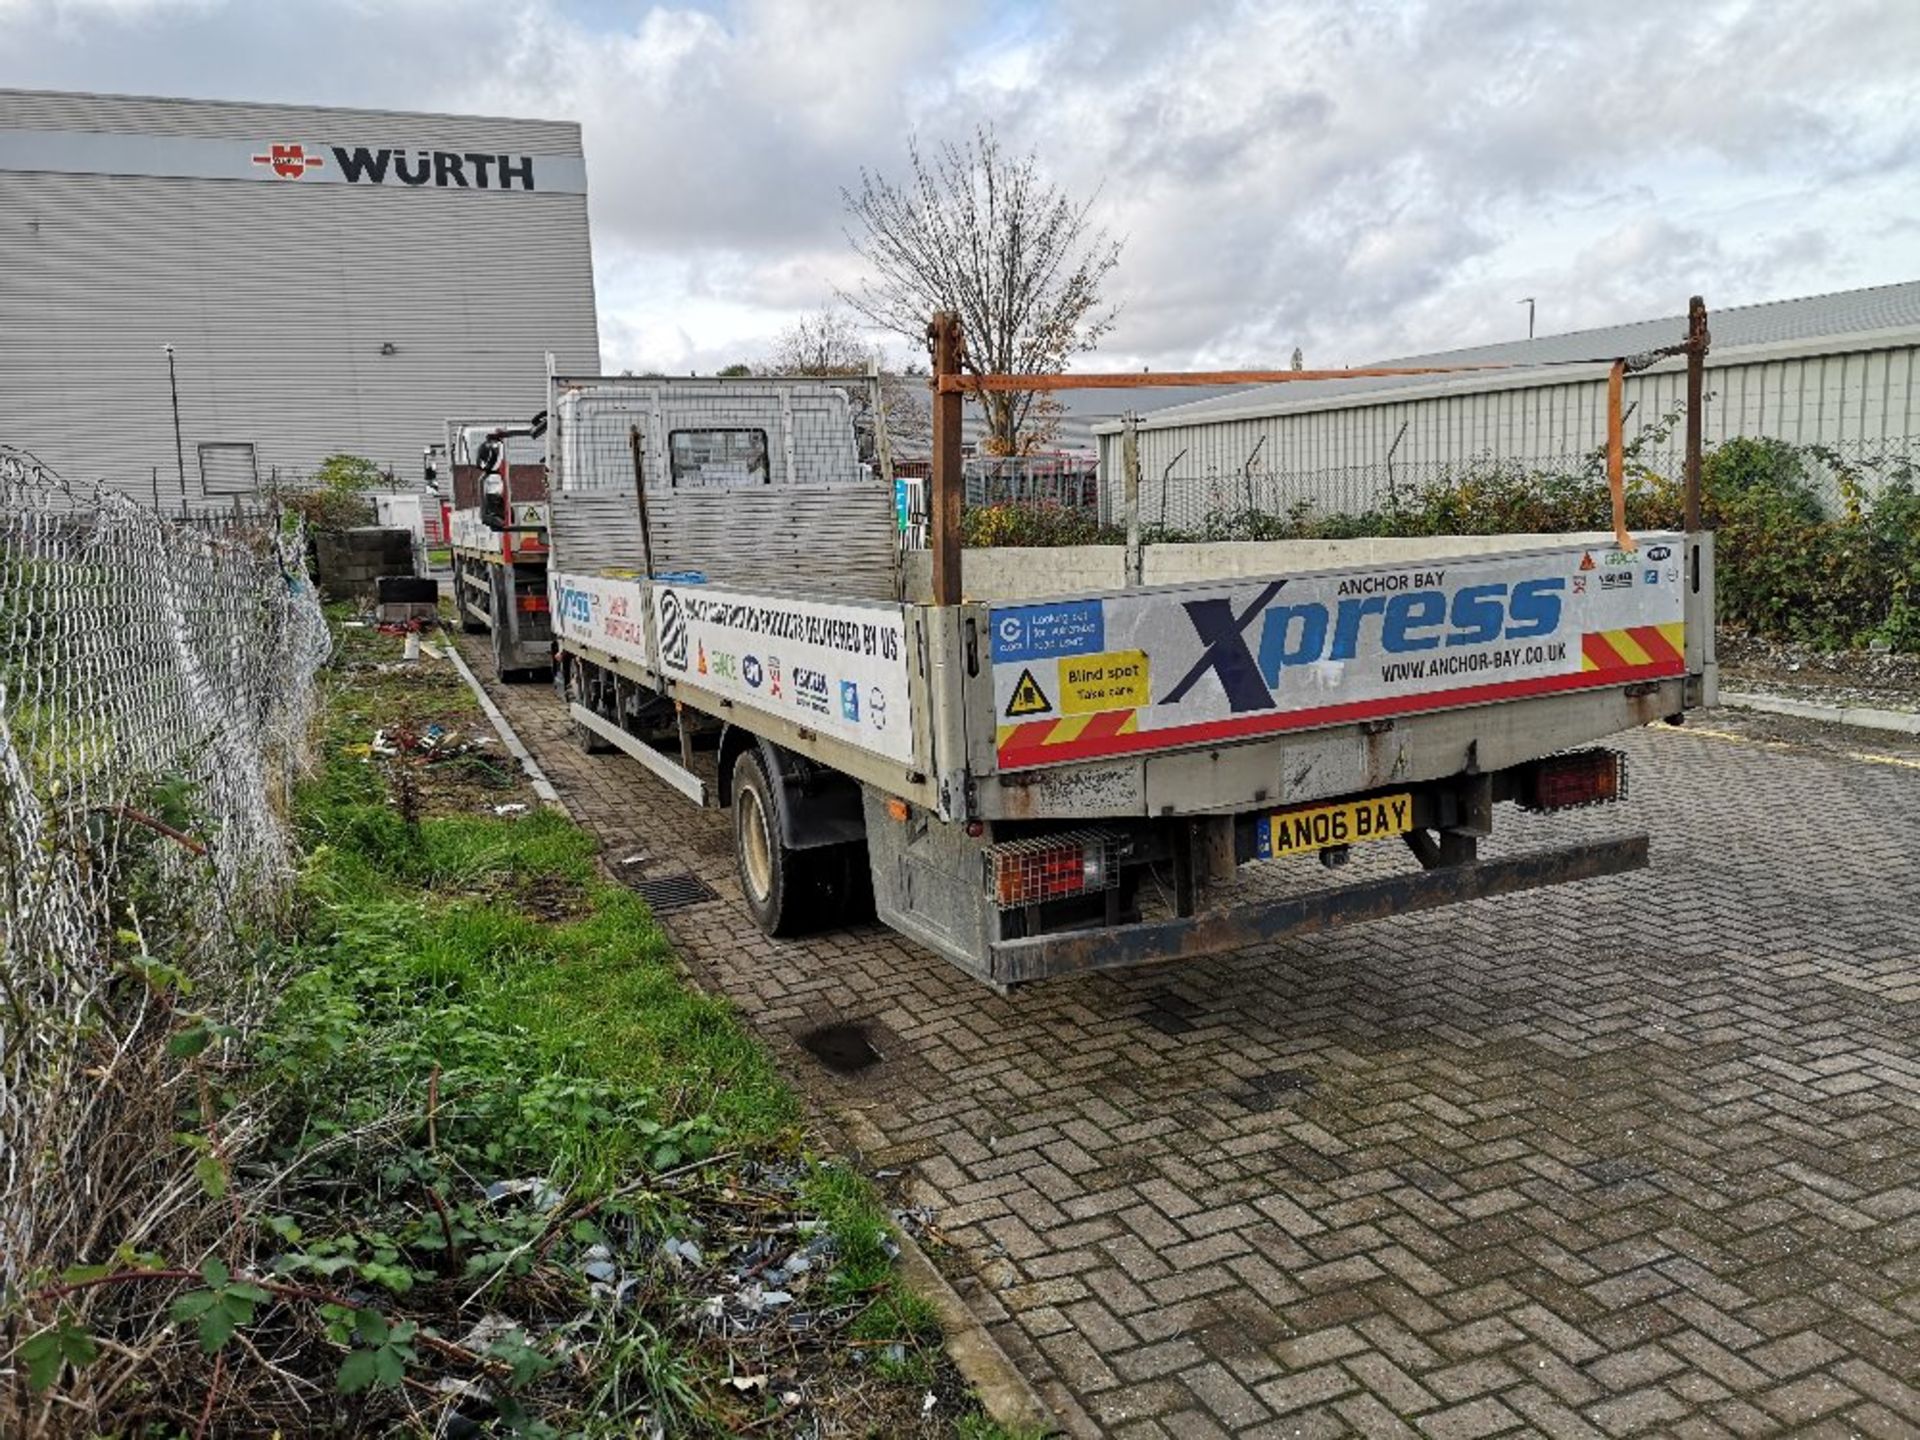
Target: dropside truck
{"type": "Point", "coordinates": [1040, 762]}
{"type": "Point", "coordinates": [499, 541]}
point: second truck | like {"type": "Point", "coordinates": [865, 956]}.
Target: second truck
{"type": "Point", "coordinates": [498, 536]}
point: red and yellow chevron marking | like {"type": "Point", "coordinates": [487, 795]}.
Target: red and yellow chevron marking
{"type": "Point", "coordinates": [1607, 657]}
{"type": "Point", "coordinates": [1019, 740]}
{"type": "Point", "coordinates": [1640, 649]}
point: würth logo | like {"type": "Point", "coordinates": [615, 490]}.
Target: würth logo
{"type": "Point", "coordinates": [289, 162]}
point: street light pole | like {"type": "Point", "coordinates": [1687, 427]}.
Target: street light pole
{"type": "Point", "coordinates": [179, 450]}
{"type": "Point", "coordinates": [1528, 302]}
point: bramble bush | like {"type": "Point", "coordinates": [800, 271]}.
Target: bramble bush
{"type": "Point", "coordinates": [1036, 524]}
{"type": "Point", "coordinates": [335, 498]}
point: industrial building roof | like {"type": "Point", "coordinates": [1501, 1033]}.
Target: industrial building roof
{"type": "Point", "coordinates": [1843, 313]}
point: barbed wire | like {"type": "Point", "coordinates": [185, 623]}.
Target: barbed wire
{"type": "Point", "coordinates": [156, 690]}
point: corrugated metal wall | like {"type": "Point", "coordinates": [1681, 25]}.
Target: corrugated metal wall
{"type": "Point", "coordinates": [1860, 398]}
{"type": "Point", "coordinates": [278, 298]}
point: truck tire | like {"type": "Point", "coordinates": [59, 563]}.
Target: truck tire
{"type": "Point", "coordinates": [589, 742]}
{"type": "Point", "coordinates": [788, 892]}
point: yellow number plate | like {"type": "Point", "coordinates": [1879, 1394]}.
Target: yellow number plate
{"type": "Point", "coordinates": [1291, 832]}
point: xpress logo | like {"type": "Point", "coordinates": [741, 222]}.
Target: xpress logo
{"type": "Point", "coordinates": [576, 606]}
{"type": "Point", "coordinates": [1313, 631]}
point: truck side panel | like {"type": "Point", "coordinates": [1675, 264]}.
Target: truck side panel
{"type": "Point", "coordinates": [836, 668]}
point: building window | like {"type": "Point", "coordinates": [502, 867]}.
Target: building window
{"type": "Point", "coordinates": [228, 467]}
{"type": "Point", "coordinates": [711, 458]}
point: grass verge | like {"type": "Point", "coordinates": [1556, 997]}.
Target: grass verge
{"type": "Point", "coordinates": [519, 1176]}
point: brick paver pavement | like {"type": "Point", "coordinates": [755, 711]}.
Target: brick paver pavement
{"type": "Point", "coordinates": [1638, 1156]}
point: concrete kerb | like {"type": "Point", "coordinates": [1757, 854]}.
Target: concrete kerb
{"type": "Point", "coordinates": [1860, 717]}
{"type": "Point", "coordinates": [542, 787]}
{"type": "Point", "coordinates": [1007, 1395]}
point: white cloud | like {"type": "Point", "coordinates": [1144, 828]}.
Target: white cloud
{"type": "Point", "coordinates": [1363, 180]}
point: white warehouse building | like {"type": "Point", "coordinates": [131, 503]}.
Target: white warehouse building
{"type": "Point", "coordinates": [1834, 370]}
{"type": "Point", "coordinates": [329, 281]}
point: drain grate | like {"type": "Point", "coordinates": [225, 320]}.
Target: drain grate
{"type": "Point", "coordinates": [672, 892]}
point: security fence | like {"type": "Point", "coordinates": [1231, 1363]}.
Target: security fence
{"type": "Point", "coordinates": [1814, 543]}
{"type": "Point", "coordinates": [1260, 499]}
{"type": "Point", "coordinates": [156, 685]}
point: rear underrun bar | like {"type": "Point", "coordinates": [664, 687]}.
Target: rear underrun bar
{"type": "Point", "coordinates": [1119, 946]}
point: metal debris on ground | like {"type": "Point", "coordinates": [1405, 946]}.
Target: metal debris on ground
{"type": "Point", "coordinates": [540, 1194]}
{"type": "Point", "coordinates": [682, 1251]}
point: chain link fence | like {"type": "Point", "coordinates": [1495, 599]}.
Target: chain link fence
{"type": "Point", "coordinates": [157, 682]}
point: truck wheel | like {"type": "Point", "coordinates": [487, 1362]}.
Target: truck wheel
{"type": "Point", "coordinates": [788, 892]}
{"type": "Point", "coordinates": [590, 742]}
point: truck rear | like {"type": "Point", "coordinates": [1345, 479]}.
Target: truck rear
{"type": "Point", "coordinates": [1040, 762]}
{"type": "Point", "coordinates": [498, 535]}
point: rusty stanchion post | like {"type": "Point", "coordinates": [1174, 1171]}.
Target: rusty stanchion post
{"type": "Point", "coordinates": [1130, 461]}
{"type": "Point", "coordinates": [1617, 453]}
{"type": "Point", "coordinates": [1697, 342]}
{"type": "Point", "coordinates": [943, 504]}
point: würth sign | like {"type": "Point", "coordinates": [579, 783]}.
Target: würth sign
{"type": "Point", "coordinates": [362, 165]}
{"type": "Point", "coordinates": [392, 167]}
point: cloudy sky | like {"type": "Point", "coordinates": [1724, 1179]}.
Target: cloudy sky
{"type": "Point", "coordinates": [1360, 179]}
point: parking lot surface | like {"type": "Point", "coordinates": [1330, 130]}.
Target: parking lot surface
{"type": "Point", "coordinates": [1634, 1156]}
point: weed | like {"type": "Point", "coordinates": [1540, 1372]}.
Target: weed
{"type": "Point", "coordinates": [641, 1370]}
{"type": "Point", "coordinates": [900, 1315]}
{"type": "Point", "coordinates": [847, 1204]}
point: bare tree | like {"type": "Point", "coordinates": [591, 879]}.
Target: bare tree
{"type": "Point", "coordinates": [986, 235]}
{"type": "Point", "coordinates": [830, 342]}
{"type": "Point", "coordinates": [827, 342]}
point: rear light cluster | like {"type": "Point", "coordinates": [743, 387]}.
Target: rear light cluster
{"type": "Point", "coordinates": [1567, 782]}
{"type": "Point", "coordinates": [1026, 872]}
